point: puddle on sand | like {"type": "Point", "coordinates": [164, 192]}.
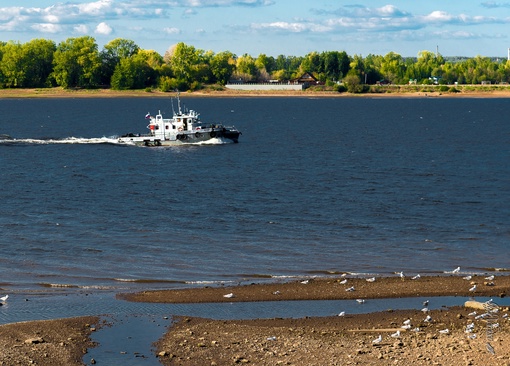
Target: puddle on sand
{"type": "Point", "coordinates": [127, 340]}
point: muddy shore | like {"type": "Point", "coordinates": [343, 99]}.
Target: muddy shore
{"type": "Point", "coordinates": [344, 339]}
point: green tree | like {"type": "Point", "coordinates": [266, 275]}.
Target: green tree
{"type": "Point", "coordinates": [222, 66]}
{"type": "Point", "coordinates": [372, 66]}
{"type": "Point", "coordinates": [352, 82]}
{"type": "Point", "coordinates": [137, 71]}
{"type": "Point", "coordinates": [357, 67]}
{"type": "Point", "coordinates": [76, 63]}
{"type": "Point", "coordinates": [245, 68]}
{"type": "Point", "coordinates": [183, 61]}
{"type": "Point", "coordinates": [393, 68]}
{"type": "Point", "coordinates": [112, 53]}
{"type": "Point", "coordinates": [27, 65]}
{"type": "Point", "coordinates": [40, 66]}
{"type": "Point", "coordinates": [13, 65]}
{"type": "Point", "coordinates": [311, 63]}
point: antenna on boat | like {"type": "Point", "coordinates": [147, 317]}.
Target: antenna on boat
{"type": "Point", "coordinates": [179, 102]}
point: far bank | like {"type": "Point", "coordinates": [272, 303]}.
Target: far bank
{"type": "Point", "coordinates": [390, 91]}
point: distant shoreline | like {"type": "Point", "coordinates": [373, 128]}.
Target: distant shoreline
{"type": "Point", "coordinates": [109, 93]}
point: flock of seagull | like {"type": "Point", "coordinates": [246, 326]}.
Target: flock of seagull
{"type": "Point", "coordinates": [406, 325]}
{"type": "Point", "coordinates": [428, 319]}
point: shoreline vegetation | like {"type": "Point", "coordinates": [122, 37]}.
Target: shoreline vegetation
{"type": "Point", "coordinates": [391, 91]}
{"type": "Point", "coordinates": [457, 335]}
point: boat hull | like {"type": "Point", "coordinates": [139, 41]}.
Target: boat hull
{"type": "Point", "coordinates": [182, 138]}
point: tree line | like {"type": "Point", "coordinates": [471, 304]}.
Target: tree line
{"type": "Point", "coordinates": [122, 64]}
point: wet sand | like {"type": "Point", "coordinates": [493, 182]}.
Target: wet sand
{"type": "Point", "coordinates": [334, 288]}
{"type": "Point", "coordinates": [341, 340]}
{"type": "Point", "coordinates": [335, 340]}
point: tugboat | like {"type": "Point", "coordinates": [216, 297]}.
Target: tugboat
{"type": "Point", "coordinates": [183, 128]}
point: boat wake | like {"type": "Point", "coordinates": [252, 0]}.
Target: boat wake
{"type": "Point", "coordinates": [67, 140]}
{"type": "Point", "coordinates": [96, 140]}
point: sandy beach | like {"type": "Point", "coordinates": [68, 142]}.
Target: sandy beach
{"type": "Point", "coordinates": [397, 92]}
{"type": "Point", "coordinates": [452, 336]}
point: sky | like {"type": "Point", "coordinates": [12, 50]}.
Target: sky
{"type": "Point", "coordinates": [272, 27]}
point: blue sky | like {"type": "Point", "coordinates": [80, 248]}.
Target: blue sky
{"type": "Point", "coordinates": [272, 27]}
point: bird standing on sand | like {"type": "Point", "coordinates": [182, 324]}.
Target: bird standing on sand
{"type": "Point", "coordinates": [342, 313]}
{"type": "Point", "coordinates": [350, 289]}
{"type": "Point", "coordinates": [372, 279]}
{"type": "Point", "coordinates": [456, 270]}
{"type": "Point", "coordinates": [377, 340]}
{"type": "Point", "coordinates": [472, 289]}
{"type": "Point", "coordinates": [444, 331]}
{"type": "Point", "coordinates": [396, 334]}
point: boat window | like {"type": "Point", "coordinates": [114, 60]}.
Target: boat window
{"type": "Point", "coordinates": [166, 127]}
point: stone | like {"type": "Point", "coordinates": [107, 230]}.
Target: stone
{"type": "Point", "coordinates": [34, 340]}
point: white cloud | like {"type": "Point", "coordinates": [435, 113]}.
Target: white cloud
{"type": "Point", "coordinates": [294, 27]}
{"type": "Point", "coordinates": [170, 30]}
{"type": "Point", "coordinates": [104, 29]}
{"type": "Point", "coordinates": [97, 8]}
{"type": "Point", "coordinates": [81, 28]}
{"type": "Point", "coordinates": [47, 28]}
{"type": "Point", "coordinates": [51, 18]}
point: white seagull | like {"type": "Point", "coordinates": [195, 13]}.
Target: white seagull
{"type": "Point", "coordinates": [407, 322]}
{"type": "Point", "coordinates": [396, 334]}
{"type": "Point", "coordinates": [377, 340]}
{"type": "Point", "coordinates": [456, 270]}
{"type": "Point", "coordinates": [4, 298]}
{"type": "Point", "coordinates": [229, 296]}
{"type": "Point", "coordinates": [426, 303]}
{"type": "Point", "coordinates": [350, 289]}
{"type": "Point", "coordinates": [416, 277]}
{"type": "Point", "coordinates": [425, 310]}
{"type": "Point", "coordinates": [428, 319]}
{"type": "Point", "coordinates": [360, 301]}
{"type": "Point", "coordinates": [472, 313]}
{"type": "Point", "coordinates": [490, 278]}
{"type": "Point", "coordinates": [371, 279]}
{"type": "Point", "coordinates": [305, 282]}
{"type": "Point", "coordinates": [343, 282]}
{"type": "Point", "coordinates": [342, 313]}
{"type": "Point", "coordinates": [470, 327]}
{"type": "Point", "coordinates": [467, 278]}
{"type": "Point", "coordinates": [444, 331]}
{"type": "Point", "coordinates": [472, 289]}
